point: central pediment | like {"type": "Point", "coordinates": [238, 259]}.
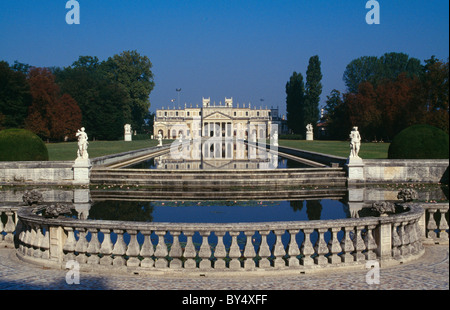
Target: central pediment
{"type": "Point", "coordinates": [217, 116]}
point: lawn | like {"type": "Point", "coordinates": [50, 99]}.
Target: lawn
{"type": "Point", "coordinates": [68, 150]}
{"type": "Point", "coordinates": [339, 148]}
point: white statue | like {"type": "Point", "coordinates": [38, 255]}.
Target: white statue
{"type": "Point", "coordinates": [309, 132]}
{"type": "Point", "coordinates": [355, 142]}
{"type": "Point", "coordinates": [275, 138]}
{"type": "Point", "coordinates": [82, 144]}
{"type": "Point", "coordinates": [159, 139]}
{"type": "Point", "coordinates": [127, 135]}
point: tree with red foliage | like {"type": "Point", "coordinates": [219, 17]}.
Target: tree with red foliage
{"type": "Point", "coordinates": [51, 115]}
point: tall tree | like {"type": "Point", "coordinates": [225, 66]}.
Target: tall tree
{"type": "Point", "coordinates": [51, 115]}
{"type": "Point", "coordinates": [375, 70]}
{"type": "Point", "coordinates": [336, 116]}
{"type": "Point", "coordinates": [15, 97]}
{"type": "Point", "coordinates": [101, 100]}
{"type": "Point", "coordinates": [295, 97]}
{"type": "Point", "coordinates": [133, 72]}
{"type": "Point", "coordinates": [313, 90]}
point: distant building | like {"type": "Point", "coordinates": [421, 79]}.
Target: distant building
{"type": "Point", "coordinates": [214, 120]}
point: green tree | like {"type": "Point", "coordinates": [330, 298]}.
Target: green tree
{"type": "Point", "coordinates": [133, 72]}
{"type": "Point", "coordinates": [15, 97]}
{"type": "Point", "coordinates": [101, 100]}
{"type": "Point", "coordinates": [375, 70]}
{"type": "Point", "coordinates": [295, 98]}
{"type": "Point", "coordinates": [313, 90]}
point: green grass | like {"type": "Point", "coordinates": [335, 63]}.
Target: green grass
{"type": "Point", "coordinates": [339, 148]}
{"type": "Point", "coordinates": [68, 150]}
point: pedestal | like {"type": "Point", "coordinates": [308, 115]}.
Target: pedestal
{"type": "Point", "coordinates": [309, 136]}
{"type": "Point", "coordinates": [355, 170]}
{"type": "Point", "coordinates": [81, 171]}
{"type": "Point", "coordinates": [128, 137]}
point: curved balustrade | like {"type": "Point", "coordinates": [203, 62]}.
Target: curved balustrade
{"type": "Point", "coordinates": [204, 248]}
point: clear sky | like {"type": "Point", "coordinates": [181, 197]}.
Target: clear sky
{"type": "Point", "coordinates": [245, 49]}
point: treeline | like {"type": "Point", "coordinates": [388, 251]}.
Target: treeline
{"type": "Point", "coordinates": [387, 94]}
{"type": "Point", "coordinates": [100, 96]}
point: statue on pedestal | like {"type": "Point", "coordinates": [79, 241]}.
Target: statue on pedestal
{"type": "Point", "coordinates": [309, 132]}
{"type": "Point", "coordinates": [159, 139]}
{"type": "Point", "coordinates": [355, 143]}
{"type": "Point", "coordinates": [82, 144]}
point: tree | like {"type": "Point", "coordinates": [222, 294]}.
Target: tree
{"type": "Point", "coordinates": [133, 72]}
{"type": "Point", "coordinates": [295, 98]}
{"type": "Point", "coordinates": [336, 116]}
{"type": "Point", "coordinates": [375, 70]}
{"type": "Point", "coordinates": [15, 97]}
{"type": "Point", "coordinates": [101, 100]}
{"type": "Point", "coordinates": [51, 115]}
{"type": "Point", "coordinates": [313, 90]}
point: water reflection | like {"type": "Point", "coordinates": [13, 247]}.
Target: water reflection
{"type": "Point", "coordinates": [214, 154]}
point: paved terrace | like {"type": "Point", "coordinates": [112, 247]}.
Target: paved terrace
{"type": "Point", "coordinates": [430, 272]}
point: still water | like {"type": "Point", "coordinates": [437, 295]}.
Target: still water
{"type": "Point", "coordinates": [219, 211]}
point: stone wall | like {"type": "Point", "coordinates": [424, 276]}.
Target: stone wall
{"type": "Point", "coordinates": [37, 172]}
{"type": "Point", "coordinates": [406, 170]}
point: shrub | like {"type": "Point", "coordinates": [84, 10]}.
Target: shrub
{"type": "Point", "coordinates": [21, 145]}
{"type": "Point", "coordinates": [419, 142]}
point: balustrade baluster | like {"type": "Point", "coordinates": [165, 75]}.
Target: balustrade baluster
{"type": "Point", "coordinates": [249, 251]}
{"type": "Point", "coordinates": [278, 250]}
{"type": "Point", "coordinates": [220, 252]}
{"type": "Point", "coordinates": [69, 246]}
{"type": "Point", "coordinates": [37, 242]}
{"type": "Point", "coordinates": [9, 227]}
{"type": "Point", "coordinates": [133, 250]}
{"type": "Point", "coordinates": [443, 226]}
{"type": "Point", "coordinates": [147, 250]}
{"type": "Point", "coordinates": [176, 252]}
{"type": "Point", "coordinates": [119, 249]}
{"type": "Point", "coordinates": [293, 249]}
{"type": "Point", "coordinates": [396, 242]}
{"type": "Point", "coordinates": [32, 240]}
{"type": "Point", "coordinates": [81, 246]}
{"type": "Point", "coordinates": [321, 248]}
{"type": "Point", "coordinates": [359, 245]}
{"type": "Point", "coordinates": [45, 243]}
{"type": "Point", "coordinates": [307, 248]}
{"type": "Point", "coordinates": [264, 250]}
{"type": "Point", "coordinates": [370, 243]}
{"type": "Point", "coordinates": [404, 238]}
{"type": "Point", "coordinates": [93, 248]}
{"type": "Point", "coordinates": [106, 248]}
{"type": "Point", "coordinates": [334, 246]}
{"type": "Point", "coordinates": [235, 252]}
{"type": "Point", "coordinates": [26, 238]}
{"type": "Point", "coordinates": [2, 228]}
{"type": "Point", "coordinates": [161, 251]}
{"type": "Point", "coordinates": [205, 251]}
{"type": "Point", "coordinates": [431, 225]}
{"type": "Point", "coordinates": [189, 251]}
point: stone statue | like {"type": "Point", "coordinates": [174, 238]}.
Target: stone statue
{"type": "Point", "coordinates": [127, 134]}
{"type": "Point", "coordinates": [275, 138]}
{"type": "Point", "coordinates": [309, 132]}
{"type": "Point", "coordinates": [82, 144]}
{"type": "Point", "coordinates": [355, 143]}
{"type": "Point", "coordinates": [159, 139]}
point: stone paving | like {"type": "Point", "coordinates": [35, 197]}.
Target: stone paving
{"type": "Point", "coordinates": [430, 272]}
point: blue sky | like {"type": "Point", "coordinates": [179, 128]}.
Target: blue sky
{"type": "Point", "coordinates": [243, 49]}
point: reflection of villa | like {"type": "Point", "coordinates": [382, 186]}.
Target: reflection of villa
{"type": "Point", "coordinates": [215, 154]}
{"type": "Point", "coordinates": [213, 120]}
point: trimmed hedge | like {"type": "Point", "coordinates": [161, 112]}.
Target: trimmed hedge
{"type": "Point", "coordinates": [419, 142]}
{"type": "Point", "coordinates": [21, 145]}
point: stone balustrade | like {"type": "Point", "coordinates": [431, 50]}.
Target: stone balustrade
{"type": "Point", "coordinates": [202, 248]}
{"type": "Point", "coordinates": [436, 217]}
{"type": "Point", "coordinates": [8, 224]}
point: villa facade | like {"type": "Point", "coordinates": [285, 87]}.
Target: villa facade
{"type": "Point", "coordinates": [214, 120]}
